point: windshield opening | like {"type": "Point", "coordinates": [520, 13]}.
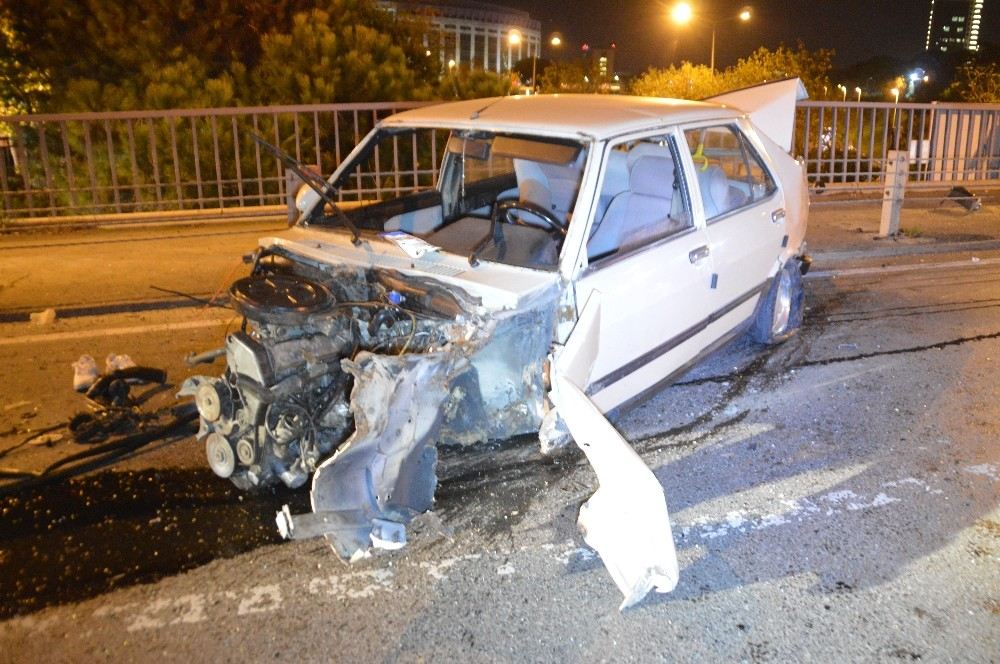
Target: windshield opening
{"type": "Point", "coordinates": [498, 197]}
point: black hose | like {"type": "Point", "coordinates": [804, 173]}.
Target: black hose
{"type": "Point", "coordinates": [181, 424]}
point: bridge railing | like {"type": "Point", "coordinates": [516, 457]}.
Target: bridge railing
{"type": "Point", "coordinates": [178, 159]}
{"type": "Point", "coordinates": [846, 144]}
{"type": "Point", "coordinates": [202, 159]}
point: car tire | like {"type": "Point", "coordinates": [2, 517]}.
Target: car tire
{"type": "Point", "coordinates": [779, 315]}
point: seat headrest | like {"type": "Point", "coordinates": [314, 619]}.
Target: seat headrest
{"type": "Point", "coordinates": [718, 186]}
{"type": "Point", "coordinates": [652, 176]}
{"type": "Point", "coordinates": [647, 150]}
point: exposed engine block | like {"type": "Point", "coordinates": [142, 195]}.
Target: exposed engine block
{"type": "Point", "coordinates": [282, 405]}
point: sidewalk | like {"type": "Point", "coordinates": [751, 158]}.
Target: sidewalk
{"type": "Point", "coordinates": [847, 231]}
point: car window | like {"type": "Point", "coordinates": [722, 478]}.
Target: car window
{"type": "Point", "coordinates": [731, 174]}
{"type": "Point", "coordinates": [642, 198]}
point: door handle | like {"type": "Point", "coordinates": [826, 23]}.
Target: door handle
{"type": "Point", "coordinates": [699, 254]}
{"type": "Point", "coordinates": [778, 215]}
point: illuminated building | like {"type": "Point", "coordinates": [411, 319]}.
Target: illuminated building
{"type": "Point", "coordinates": [953, 25]}
{"type": "Point", "coordinates": [474, 34]}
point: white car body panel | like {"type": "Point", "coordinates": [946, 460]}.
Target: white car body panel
{"type": "Point", "coordinates": [644, 318]}
{"type": "Point", "coordinates": [500, 286]}
{"type": "Point", "coordinates": [771, 107]}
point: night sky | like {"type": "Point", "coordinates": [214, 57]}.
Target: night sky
{"type": "Point", "coordinates": [856, 29]}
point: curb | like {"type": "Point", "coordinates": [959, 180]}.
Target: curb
{"type": "Point", "coordinates": [826, 257]}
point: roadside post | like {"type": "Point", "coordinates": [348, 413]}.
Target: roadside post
{"type": "Point", "coordinates": [897, 168]}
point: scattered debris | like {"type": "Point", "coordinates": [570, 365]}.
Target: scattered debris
{"type": "Point", "coordinates": [114, 363]}
{"type": "Point", "coordinates": [84, 373]}
{"type": "Point", "coordinates": [850, 346]}
{"type": "Point", "coordinates": [17, 404]}
{"type": "Point", "coordinates": [209, 356]}
{"type": "Point", "coordinates": [965, 198]}
{"type": "Point", "coordinates": [115, 427]}
{"type": "Point", "coordinates": [44, 317]}
{"type": "Point", "coordinates": [45, 439]}
{"type": "Point", "coordinates": [112, 389]}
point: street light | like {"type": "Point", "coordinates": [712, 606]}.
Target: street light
{"type": "Point", "coordinates": [555, 42]}
{"type": "Point", "coordinates": [842, 88]}
{"type": "Point", "coordinates": [895, 93]}
{"type": "Point", "coordinates": [858, 90]}
{"type": "Point", "coordinates": [682, 13]}
{"type": "Point", "coordinates": [513, 39]}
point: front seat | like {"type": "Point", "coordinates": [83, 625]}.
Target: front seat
{"type": "Point", "coordinates": [642, 212]}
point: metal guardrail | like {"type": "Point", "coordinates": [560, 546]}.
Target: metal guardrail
{"type": "Point", "coordinates": [847, 143]}
{"type": "Point", "coordinates": [199, 159]}
{"type": "Point", "coordinates": [178, 159]}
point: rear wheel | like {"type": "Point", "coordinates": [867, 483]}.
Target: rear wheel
{"type": "Point", "coordinates": [779, 315]}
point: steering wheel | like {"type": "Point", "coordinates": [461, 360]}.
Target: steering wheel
{"type": "Point", "coordinates": [503, 211]}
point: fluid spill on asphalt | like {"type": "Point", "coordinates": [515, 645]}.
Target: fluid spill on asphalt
{"type": "Point", "coordinates": [75, 540]}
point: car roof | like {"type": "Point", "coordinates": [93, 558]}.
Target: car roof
{"type": "Point", "coordinates": [597, 116]}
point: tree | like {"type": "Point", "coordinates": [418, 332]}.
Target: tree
{"type": "Point", "coordinates": [118, 54]}
{"type": "Point", "coordinates": [21, 87]}
{"type": "Point", "coordinates": [463, 83]}
{"type": "Point", "coordinates": [690, 81]}
{"type": "Point", "coordinates": [813, 67]}
{"type": "Point", "coordinates": [324, 60]}
{"type": "Point", "coordinates": [687, 81]}
{"type": "Point", "coordinates": [572, 76]}
{"type": "Point", "coordinates": [976, 83]}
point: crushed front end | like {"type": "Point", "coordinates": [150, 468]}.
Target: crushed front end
{"type": "Point", "coordinates": [353, 375]}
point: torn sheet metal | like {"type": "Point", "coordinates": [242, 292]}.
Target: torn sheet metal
{"type": "Point", "coordinates": [626, 520]}
{"type": "Point", "coordinates": [384, 474]}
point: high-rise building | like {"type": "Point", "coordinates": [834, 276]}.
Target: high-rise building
{"type": "Point", "coordinates": [954, 25]}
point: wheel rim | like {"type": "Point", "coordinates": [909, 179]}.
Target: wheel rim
{"type": "Point", "coordinates": [782, 303]}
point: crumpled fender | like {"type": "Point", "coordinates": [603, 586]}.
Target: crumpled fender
{"type": "Point", "coordinates": [626, 520]}
{"type": "Point", "coordinates": [384, 474]}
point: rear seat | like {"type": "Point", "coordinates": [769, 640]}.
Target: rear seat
{"type": "Point", "coordinates": [718, 196]}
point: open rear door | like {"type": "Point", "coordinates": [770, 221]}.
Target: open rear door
{"type": "Point", "coordinates": [771, 107]}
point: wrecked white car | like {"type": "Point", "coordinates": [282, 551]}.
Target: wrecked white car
{"type": "Point", "coordinates": [530, 265]}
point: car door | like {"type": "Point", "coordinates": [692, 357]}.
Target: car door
{"type": "Point", "coordinates": [649, 260]}
{"type": "Point", "coordinates": [743, 211]}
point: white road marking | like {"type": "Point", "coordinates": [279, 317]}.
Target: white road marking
{"type": "Point", "coordinates": [829, 504]}
{"type": "Point", "coordinates": [436, 570]}
{"type": "Point", "coordinates": [909, 267]}
{"type": "Point", "coordinates": [262, 599]}
{"type": "Point", "coordinates": [339, 585]}
{"type": "Point", "coordinates": [112, 332]}
{"type": "Point", "coordinates": [986, 470]}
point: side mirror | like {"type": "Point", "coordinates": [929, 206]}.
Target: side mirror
{"type": "Point", "coordinates": [299, 196]}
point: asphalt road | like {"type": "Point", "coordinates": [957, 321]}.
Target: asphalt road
{"type": "Point", "coordinates": [832, 499]}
